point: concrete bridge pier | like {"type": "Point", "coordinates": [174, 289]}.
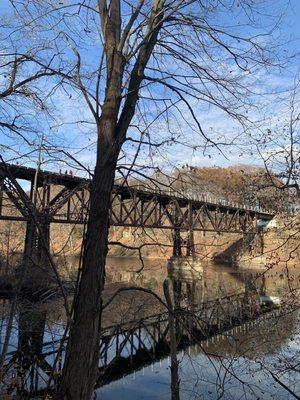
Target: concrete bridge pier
{"type": "Point", "coordinates": [185, 270]}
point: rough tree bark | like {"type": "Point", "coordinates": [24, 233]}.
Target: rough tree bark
{"type": "Point", "coordinates": [82, 354]}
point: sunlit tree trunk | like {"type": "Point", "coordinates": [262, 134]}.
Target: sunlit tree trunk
{"type": "Point", "coordinates": [82, 354]}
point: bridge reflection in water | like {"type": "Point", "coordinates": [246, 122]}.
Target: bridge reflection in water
{"type": "Point", "coordinates": [202, 316]}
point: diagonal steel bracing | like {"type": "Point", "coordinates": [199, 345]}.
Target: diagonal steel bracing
{"type": "Point", "coordinates": [64, 199]}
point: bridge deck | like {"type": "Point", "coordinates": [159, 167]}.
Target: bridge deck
{"type": "Point", "coordinates": [68, 181]}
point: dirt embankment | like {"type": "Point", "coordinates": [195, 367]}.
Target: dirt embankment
{"type": "Point", "coordinates": [277, 244]}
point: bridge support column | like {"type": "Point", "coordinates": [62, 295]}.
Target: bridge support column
{"type": "Point", "coordinates": [36, 263]}
{"type": "Point", "coordinates": [190, 246]}
{"type": "Point", "coordinates": [177, 250]}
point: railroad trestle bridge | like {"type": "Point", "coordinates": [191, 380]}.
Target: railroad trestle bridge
{"type": "Point", "coordinates": [60, 198]}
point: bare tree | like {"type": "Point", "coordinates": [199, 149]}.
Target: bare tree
{"type": "Point", "coordinates": [280, 148]}
{"type": "Point", "coordinates": [153, 61]}
{"type": "Point", "coordinates": [21, 96]}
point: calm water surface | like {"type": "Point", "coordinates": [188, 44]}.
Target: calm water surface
{"type": "Point", "coordinates": [243, 363]}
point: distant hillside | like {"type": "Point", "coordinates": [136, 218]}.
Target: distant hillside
{"type": "Point", "coordinates": [239, 184]}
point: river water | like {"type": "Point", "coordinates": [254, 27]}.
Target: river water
{"type": "Point", "coordinates": [259, 360]}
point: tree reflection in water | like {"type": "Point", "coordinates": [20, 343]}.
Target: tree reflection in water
{"type": "Point", "coordinates": [254, 360]}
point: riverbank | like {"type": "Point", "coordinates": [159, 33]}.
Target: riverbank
{"type": "Point", "coordinates": [279, 245]}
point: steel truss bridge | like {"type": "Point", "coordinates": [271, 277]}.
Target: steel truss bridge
{"type": "Point", "coordinates": [60, 198]}
{"type": "Point", "coordinates": [63, 198]}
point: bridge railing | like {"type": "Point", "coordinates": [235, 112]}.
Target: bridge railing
{"type": "Point", "coordinates": [185, 194]}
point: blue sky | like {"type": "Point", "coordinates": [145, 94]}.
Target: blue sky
{"type": "Point", "coordinates": [292, 24]}
{"type": "Point", "coordinates": [73, 137]}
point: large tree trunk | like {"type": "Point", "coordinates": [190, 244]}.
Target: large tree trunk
{"type": "Point", "coordinates": [82, 353]}
{"type": "Point", "coordinates": [80, 367]}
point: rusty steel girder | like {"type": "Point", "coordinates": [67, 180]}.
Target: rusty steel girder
{"type": "Point", "coordinates": [63, 198]}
